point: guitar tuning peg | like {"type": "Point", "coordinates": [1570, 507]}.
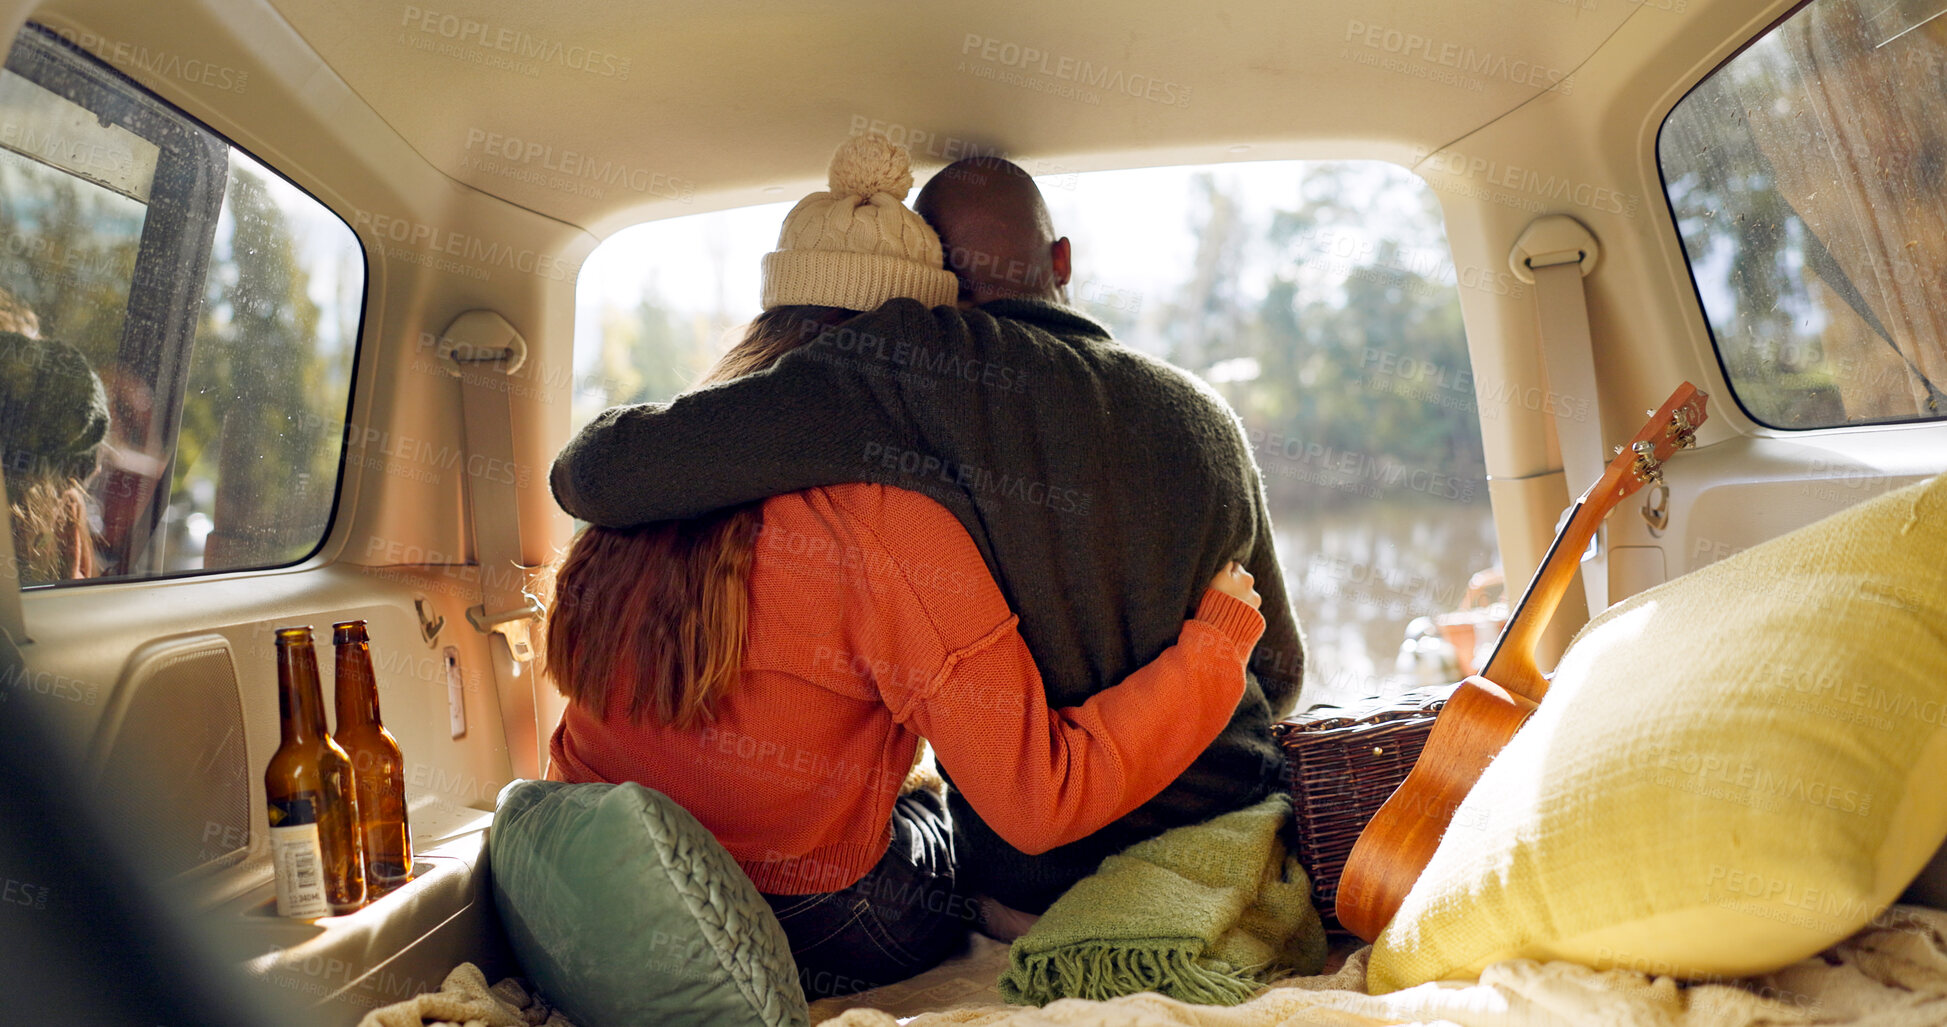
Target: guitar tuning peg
{"type": "Point", "coordinates": [1648, 468]}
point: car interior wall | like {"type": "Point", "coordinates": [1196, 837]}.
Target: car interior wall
{"type": "Point", "coordinates": [299, 118]}
{"type": "Point", "coordinates": [395, 537]}
{"type": "Point", "coordinates": [1749, 482]}
{"type": "Point", "coordinates": [383, 157]}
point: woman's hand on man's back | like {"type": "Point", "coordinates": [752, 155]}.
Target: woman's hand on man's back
{"type": "Point", "coordinates": [1236, 582]}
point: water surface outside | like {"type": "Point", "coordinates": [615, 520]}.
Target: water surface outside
{"type": "Point", "coordinates": [1358, 578]}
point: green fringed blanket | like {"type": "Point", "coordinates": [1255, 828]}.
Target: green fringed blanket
{"type": "Point", "coordinates": [1206, 914]}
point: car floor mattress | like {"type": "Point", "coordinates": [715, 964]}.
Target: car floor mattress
{"type": "Point", "coordinates": [1893, 973]}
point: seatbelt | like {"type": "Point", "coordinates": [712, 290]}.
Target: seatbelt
{"type": "Point", "coordinates": [483, 351]}
{"type": "Point", "coordinates": [1555, 253]}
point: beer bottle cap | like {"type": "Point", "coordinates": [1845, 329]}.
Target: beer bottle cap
{"type": "Point", "coordinates": [348, 631]}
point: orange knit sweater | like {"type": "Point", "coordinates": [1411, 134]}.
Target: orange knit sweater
{"type": "Point", "coordinates": [873, 623]}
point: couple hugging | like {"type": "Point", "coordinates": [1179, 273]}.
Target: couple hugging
{"type": "Point", "coordinates": [921, 502]}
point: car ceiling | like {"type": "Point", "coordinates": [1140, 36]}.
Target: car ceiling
{"type": "Point", "coordinates": [607, 114]}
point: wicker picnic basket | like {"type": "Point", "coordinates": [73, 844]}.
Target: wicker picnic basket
{"type": "Point", "coordinates": [1341, 763]}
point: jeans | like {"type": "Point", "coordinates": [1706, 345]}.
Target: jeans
{"type": "Point", "coordinates": [905, 916]}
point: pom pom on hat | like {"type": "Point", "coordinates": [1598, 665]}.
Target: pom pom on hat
{"type": "Point", "coordinates": [858, 246]}
{"type": "Point", "coordinates": [866, 165]}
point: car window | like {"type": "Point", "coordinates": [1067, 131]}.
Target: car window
{"type": "Point", "coordinates": [1318, 298]}
{"type": "Point", "coordinates": [182, 327]}
{"type": "Point", "coordinates": [1808, 177]}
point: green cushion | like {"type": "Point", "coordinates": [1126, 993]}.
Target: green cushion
{"type": "Point", "coordinates": [1732, 770]}
{"type": "Point", "coordinates": [626, 912]}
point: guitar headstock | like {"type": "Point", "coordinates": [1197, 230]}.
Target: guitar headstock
{"type": "Point", "coordinates": [1670, 428]}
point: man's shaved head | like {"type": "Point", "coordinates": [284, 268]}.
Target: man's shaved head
{"type": "Point", "coordinates": [995, 229]}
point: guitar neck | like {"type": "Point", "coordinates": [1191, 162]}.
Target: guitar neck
{"type": "Point", "coordinates": [1512, 665]}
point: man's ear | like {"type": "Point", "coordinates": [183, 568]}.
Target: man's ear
{"type": "Point", "coordinates": [1058, 256]}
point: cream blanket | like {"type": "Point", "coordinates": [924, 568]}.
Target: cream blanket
{"type": "Point", "coordinates": [1890, 975]}
{"type": "Point", "coordinates": [464, 1000]}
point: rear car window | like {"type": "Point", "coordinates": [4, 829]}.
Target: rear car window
{"type": "Point", "coordinates": [180, 324]}
{"type": "Point", "coordinates": [1806, 177]}
{"type": "Point", "coordinates": [1319, 298]}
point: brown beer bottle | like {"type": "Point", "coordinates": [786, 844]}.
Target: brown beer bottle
{"type": "Point", "coordinates": [313, 803]}
{"type": "Point", "coordinates": [377, 767]}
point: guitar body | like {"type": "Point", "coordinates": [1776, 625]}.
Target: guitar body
{"type": "Point", "coordinates": [1486, 710]}
{"type": "Point", "coordinates": [1397, 844]}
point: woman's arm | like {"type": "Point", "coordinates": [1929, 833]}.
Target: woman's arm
{"type": "Point", "coordinates": [827, 412]}
{"type": "Point", "coordinates": [1040, 777]}
{"type": "Point", "coordinates": [796, 425]}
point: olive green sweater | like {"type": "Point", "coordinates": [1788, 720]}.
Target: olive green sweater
{"type": "Point", "coordinates": [1104, 488]}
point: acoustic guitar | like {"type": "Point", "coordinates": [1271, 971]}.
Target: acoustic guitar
{"type": "Point", "coordinates": [1486, 709]}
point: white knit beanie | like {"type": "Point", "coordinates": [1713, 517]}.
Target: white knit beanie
{"type": "Point", "coordinates": [858, 245]}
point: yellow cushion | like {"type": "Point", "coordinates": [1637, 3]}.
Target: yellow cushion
{"type": "Point", "coordinates": [1732, 770]}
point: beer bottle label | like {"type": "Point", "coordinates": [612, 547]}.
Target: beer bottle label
{"type": "Point", "coordinates": [291, 811]}
{"type": "Point", "coordinates": [298, 858]}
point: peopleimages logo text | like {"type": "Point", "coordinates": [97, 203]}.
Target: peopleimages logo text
{"type": "Point", "coordinates": [1527, 180]}
{"type": "Point", "coordinates": [1035, 60]}
{"type": "Point", "coordinates": [576, 166]}
{"type": "Point", "coordinates": [1460, 58]}
{"type": "Point", "coordinates": [461, 245]}
{"type": "Point", "coordinates": [515, 43]}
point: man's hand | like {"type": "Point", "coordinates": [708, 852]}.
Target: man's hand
{"type": "Point", "coordinates": [1236, 582]}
